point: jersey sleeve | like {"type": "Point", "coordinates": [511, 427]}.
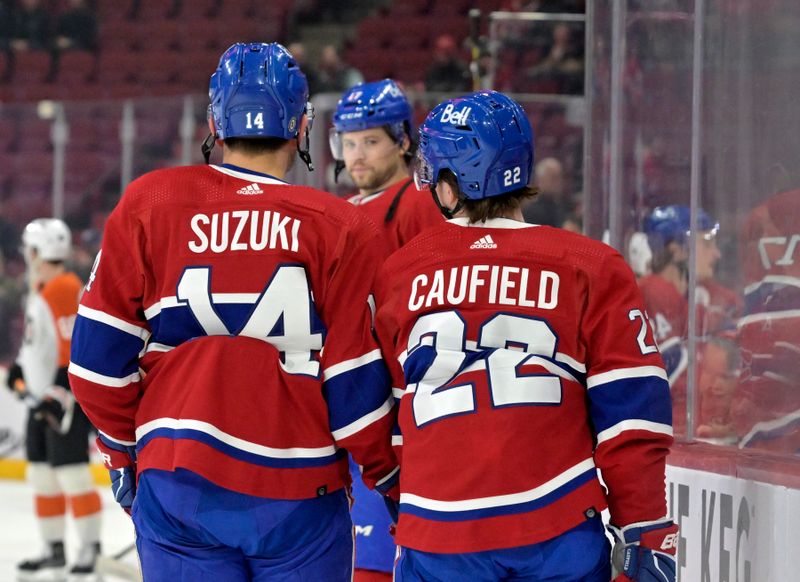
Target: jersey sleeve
{"type": "Point", "coordinates": [111, 330]}
{"type": "Point", "coordinates": [355, 380]}
{"type": "Point", "coordinates": [629, 398]}
{"type": "Point", "coordinates": [38, 355]}
{"type": "Point", "coordinates": [386, 332]}
{"type": "Point", "coordinates": [669, 321]}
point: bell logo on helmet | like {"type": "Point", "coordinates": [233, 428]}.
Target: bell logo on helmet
{"type": "Point", "coordinates": [292, 123]}
{"type": "Point", "coordinates": [449, 115]}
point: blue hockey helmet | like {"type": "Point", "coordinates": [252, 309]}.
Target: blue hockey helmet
{"type": "Point", "coordinates": [666, 224]}
{"type": "Point", "coordinates": [367, 105]}
{"type": "Point", "coordinates": [258, 90]}
{"type": "Point", "coordinates": [484, 138]}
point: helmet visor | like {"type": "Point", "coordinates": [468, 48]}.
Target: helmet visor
{"type": "Point", "coordinates": [423, 172]}
{"type": "Point", "coordinates": [335, 141]}
{"type": "Point", "coordinates": [309, 114]}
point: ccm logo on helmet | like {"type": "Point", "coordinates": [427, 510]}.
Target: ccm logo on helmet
{"type": "Point", "coordinates": [455, 117]}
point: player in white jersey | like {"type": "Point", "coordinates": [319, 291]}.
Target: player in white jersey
{"type": "Point", "coordinates": [57, 430]}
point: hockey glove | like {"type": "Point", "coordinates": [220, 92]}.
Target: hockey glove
{"type": "Point", "coordinates": [120, 460]}
{"type": "Point", "coordinates": [56, 408]}
{"type": "Point", "coordinates": [14, 380]}
{"type": "Point", "coordinates": [644, 552]}
{"type": "Point", "coordinates": [389, 488]}
{"type": "Point", "coordinates": [393, 507]}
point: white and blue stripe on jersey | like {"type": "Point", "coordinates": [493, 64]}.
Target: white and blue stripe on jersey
{"type": "Point", "coordinates": [497, 505]}
{"type": "Point", "coordinates": [113, 359]}
{"type": "Point", "coordinates": [113, 362]}
{"type": "Point", "coordinates": [629, 399]}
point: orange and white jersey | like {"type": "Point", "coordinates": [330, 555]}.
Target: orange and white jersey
{"type": "Point", "coordinates": [49, 319]}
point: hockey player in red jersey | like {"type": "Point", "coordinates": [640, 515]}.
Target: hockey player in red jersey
{"type": "Point", "coordinates": [766, 406]}
{"type": "Point", "coordinates": [224, 348]}
{"type": "Point", "coordinates": [57, 430]}
{"type": "Point", "coordinates": [524, 363]}
{"type": "Point", "coordinates": [371, 138]}
{"type": "Point", "coordinates": [665, 293]}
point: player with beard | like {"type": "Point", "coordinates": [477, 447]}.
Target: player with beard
{"type": "Point", "coordinates": [372, 139]}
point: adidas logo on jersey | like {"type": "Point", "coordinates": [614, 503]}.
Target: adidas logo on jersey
{"type": "Point", "coordinates": [485, 242]}
{"type": "Point", "coordinates": [250, 190]}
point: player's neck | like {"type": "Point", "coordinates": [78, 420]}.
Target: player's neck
{"type": "Point", "coordinates": [48, 271]}
{"type": "Point", "coordinates": [675, 275]}
{"type": "Point", "coordinates": [400, 174]}
{"type": "Point", "coordinates": [274, 164]}
{"type": "Point", "coordinates": [515, 214]}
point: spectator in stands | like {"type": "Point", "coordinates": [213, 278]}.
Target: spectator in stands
{"type": "Point", "coordinates": [563, 66]}
{"type": "Point", "coordinates": [447, 73]}
{"type": "Point", "coordinates": [11, 293]}
{"type": "Point", "coordinates": [76, 27]}
{"type": "Point", "coordinates": [552, 207]}
{"type": "Point", "coordinates": [6, 24]}
{"type": "Point", "coordinates": [335, 75]}
{"type": "Point", "coordinates": [298, 51]}
{"type": "Point", "coordinates": [32, 28]}
{"type": "Point", "coordinates": [716, 384]}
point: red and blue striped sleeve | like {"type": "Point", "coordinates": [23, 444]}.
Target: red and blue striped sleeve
{"type": "Point", "coordinates": [629, 397]}
{"type": "Point", "coordinates": [356, 382]}
{"type": "Point", "coordinates": [111, 331]}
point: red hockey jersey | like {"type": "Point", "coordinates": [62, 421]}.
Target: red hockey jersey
{"type": "Point", "coordinates": [668, 311]}
{"type": "Point", "coordinates": [524, 363]}
{"type": "Point", "coordinates": [225, 329]}
{"type": "Point", "coordinates": [766, 407]}
{"type": "Point", "coordinates": [400, 219]}
{"type": "Point", "coordinates": [717, 311]}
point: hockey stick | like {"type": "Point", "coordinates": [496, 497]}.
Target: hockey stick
{"type": "Point", "coordinates": [113, 565]}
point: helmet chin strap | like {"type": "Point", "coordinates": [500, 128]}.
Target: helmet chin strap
{"type": "Point", "coordinates": [303, 152]}
{"type": "Point", "coordinates": [449, 213]}
{"type": "Point", "coordinates": [337, 169]}
{"type": "Point", "coordinates": [207, 146]}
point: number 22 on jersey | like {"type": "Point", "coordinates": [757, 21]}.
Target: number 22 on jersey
{"type": "Point", "coordinates": [444, 334]}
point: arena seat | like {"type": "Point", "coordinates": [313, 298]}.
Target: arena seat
{"type": "Point", "coordinates": [32, 66]}
{"type": "Point", "coordinates": [75, 67]}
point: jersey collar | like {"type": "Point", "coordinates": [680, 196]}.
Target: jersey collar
{"type": "Point", "coordinates": [245, 174]}
{"type": "Point", "coordinates": [506, 223]}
